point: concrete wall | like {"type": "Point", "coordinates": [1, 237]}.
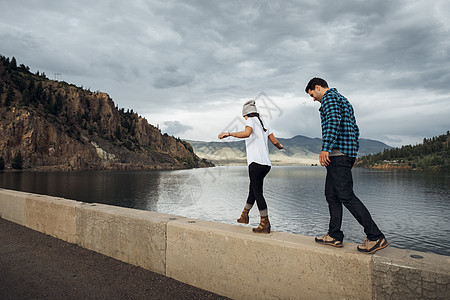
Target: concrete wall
{"type": "Point", "coordinates": [133, 236]}
{"type": "Point", "coordinates": [230, 259]}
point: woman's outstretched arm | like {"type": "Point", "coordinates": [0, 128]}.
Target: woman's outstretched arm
{"type": "Point", "coordinates": [241, 134]}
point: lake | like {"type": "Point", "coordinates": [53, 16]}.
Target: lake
{"type": "Point", "coordinates": [411, 208]}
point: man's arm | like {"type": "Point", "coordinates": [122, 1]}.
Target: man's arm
{"type": "Point", "coordinates": [331, 118]}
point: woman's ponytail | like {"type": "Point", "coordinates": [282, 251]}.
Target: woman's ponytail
{"type": "Point", "coordinates": [260, 121]}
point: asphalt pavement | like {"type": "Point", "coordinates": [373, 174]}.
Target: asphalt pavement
{"type": "Point", "coordinates": [34, 265]}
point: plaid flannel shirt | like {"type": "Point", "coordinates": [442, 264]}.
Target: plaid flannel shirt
{"type": "Point", "coordinates": [339, 129]}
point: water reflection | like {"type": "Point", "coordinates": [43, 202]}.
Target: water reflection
{"type": "Point", "coordinates": [411, 208]}
{"type": "Point", "coordinates": [139, 190]}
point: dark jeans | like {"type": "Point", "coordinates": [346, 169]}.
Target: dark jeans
{"type": "Point", "coordinates": [338, 192]}
{"type": "Point", "coordinates": [257, 173]}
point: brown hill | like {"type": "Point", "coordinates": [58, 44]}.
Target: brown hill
{"type": "Point", "coordinates": [58, 126]}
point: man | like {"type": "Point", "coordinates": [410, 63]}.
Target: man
{"type": "Point", "coordinates": [340, 146]}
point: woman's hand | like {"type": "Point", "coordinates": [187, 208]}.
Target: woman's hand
{"type": "Point", "coordinates": [275, 142]}
{"type": "Point", "coordinates": [224, 135]}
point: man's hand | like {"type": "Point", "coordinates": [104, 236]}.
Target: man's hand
{"type": "Point", "coordinates": [324, 158]}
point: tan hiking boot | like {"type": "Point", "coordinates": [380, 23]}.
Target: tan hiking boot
{"type": "Point", "coordinates": [244, 219]}
{"type": "Point", "coordinates": [328, 240]}
{"type": "Point", "coordinates": [370, 247]}
{"type": "Point", "coordinates": [264, 226]}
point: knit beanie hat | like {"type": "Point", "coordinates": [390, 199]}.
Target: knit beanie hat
{"type": "Point", "coordinates": [249, 107]}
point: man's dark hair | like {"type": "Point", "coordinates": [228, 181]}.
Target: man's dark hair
{"type": "Point", "coordinates": [316, 81]}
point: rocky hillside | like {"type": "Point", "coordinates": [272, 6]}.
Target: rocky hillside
{"type": "Point", "coordinates": [58, 126]}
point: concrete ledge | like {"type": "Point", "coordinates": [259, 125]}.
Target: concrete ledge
{"type": "Point", "coordinates": [53, 216]}
{"type": "Point", "coordinates": [231, 260]}
{"type": "Point", "coordinates": [133, 236]}
{"type": "Point", "coordinates": [396, 275]}
{"type": "Point", "coordinates": [12, 206]}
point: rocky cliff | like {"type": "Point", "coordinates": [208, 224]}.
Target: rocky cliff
{"type": "Point", "coordinates": [58, 126]}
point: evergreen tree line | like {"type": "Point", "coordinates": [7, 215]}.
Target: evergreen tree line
{"type": "Point", "coordinates": [432, 154]}
{"type": "Point", "coordinates": [11, 64]}
{"type": "Point", "coordinates": [31, 91]}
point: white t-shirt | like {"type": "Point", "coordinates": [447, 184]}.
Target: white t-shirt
{"type": "Point", "coordinates": [257, 143]}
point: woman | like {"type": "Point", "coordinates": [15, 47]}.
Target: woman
{"type": "Point", "coordinates": [256, 135]}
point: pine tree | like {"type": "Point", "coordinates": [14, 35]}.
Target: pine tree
{"type": "Point", "coordinates": [13, 64]}
{"type": "Point", "coordinates": [118, 133]}
{"type": "Point", "coordinates": [17, 162]}
{"type": "Point", "coordinates": [9, 96]}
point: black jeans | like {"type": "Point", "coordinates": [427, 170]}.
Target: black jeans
{"type": "Point", "coordinates": [338, 192]}
{"type": "Point", "coordinates": [257, 173]}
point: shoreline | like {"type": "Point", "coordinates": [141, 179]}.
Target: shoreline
{"type": "Point", "coordinates": [241, 163]}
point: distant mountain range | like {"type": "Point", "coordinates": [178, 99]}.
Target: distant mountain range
{"type": "Point", "coordinates": [299, 150]}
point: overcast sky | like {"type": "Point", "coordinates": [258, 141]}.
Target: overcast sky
{"type": "Point", "coordinates": [188, 66]}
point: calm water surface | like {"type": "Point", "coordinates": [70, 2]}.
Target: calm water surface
{"type": "Point", "coordinates": [411, 208]}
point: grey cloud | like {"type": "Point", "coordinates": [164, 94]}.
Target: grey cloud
{"type": "Point", "coordinates": [175, 128]}
{"type": "Point", "coordinates": [303, 120]}
{"type": "Point", "coordinates": [156, 55]}
{"type": "Point", "coordinates": [172, 77]}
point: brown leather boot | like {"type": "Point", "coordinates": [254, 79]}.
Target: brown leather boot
{"type": "Point", "coordinates": [264, 226]}
{"type": "Point", "coordinates": [244, 219]}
